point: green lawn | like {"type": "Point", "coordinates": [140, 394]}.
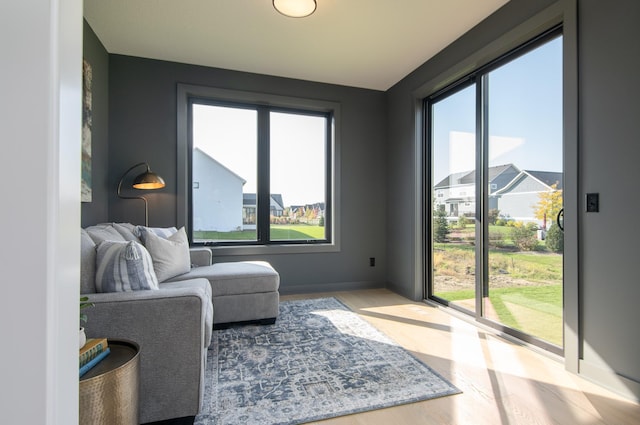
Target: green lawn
{"type": "Point", "coordinates": [536, 310]}
{"type": "Point", "coordinates": [278, 232]}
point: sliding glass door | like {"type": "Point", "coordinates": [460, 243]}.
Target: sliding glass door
{"type": "Point", "coordinates": [454, 197]}
{"type": "Point", "coordinates": [495, 144]}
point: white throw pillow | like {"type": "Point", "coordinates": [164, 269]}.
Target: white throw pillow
{"type": "Point", "coordinates": [124, 266]}
{"type": "Point", "coordinates": [170, 255]}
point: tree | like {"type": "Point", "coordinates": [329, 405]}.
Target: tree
{"type": "Point", "coordinates": [440, 226]}
{"type": "Point", "coordinates": [549, 204]}
{"type": "Point", "coordinates": [555, 238]}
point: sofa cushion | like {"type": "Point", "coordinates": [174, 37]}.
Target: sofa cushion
{"type": "Point", "coordinates": [234, 278]}
{"type": "Point", "coordinates": [104, 232]}
{"type": "Point", "coordinates": [87, 263]}
{"type": "Point", "coordinates": [170, 256]}
{"type": "Point", "coordinates": [124, 266]}
{"type": "Point", "coordinates": [205, 286]}
{"type": "Point", "coordinates": [127, 231]}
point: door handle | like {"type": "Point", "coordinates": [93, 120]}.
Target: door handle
{"type": "Point", "coordinates": [560, 219]}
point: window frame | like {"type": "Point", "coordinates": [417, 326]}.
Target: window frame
{"type": "Point", "coordinates": [187, 94]}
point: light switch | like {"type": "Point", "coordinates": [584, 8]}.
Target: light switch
{"type": "Point", "coordinates": [593, 202]}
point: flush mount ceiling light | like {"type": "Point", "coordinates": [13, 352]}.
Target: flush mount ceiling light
{"type": "Point", "coordinates": [295, 8]}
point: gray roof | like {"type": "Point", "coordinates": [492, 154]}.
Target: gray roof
{"type": "Point", "coordinates": [250, 199]}
{"type": "Point", "coordinates": [548, 177]}
{"type": "Point", "coordinates": [500, 175]}
{"type": "Point", "coordinates": [452, 179]}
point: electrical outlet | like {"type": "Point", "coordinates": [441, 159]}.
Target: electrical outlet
{"type": "Point", "coordinates": [593, 202]}
{"type": "Point", "coordinates": [372, 261]}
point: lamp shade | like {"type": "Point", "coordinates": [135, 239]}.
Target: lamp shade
{"type": "Point", "coordinates": [148, 180]}
{"type": "Point", "coordinates": [295, 8]}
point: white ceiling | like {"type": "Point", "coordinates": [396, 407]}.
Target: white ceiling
{"type": "Point", "coordinates": [361, 43]}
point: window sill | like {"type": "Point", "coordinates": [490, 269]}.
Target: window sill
{"type": "Point", "coordinates": [272, 249]}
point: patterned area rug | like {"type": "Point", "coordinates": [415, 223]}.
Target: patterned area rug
{"type": "Point", "coordinates": [320, 360]}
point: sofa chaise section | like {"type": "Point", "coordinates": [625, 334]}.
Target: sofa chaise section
{"type": "Point", "coordinates": [243, 291]}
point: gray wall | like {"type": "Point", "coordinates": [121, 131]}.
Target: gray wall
{"type": "Point", "coordinates": [94, 52]}
{"type": "Point", "coordinates": [142, 127]}
{"type": "Point", "coordinates": [607, 345]}
{"type": "Point", "coordinates": [609, 61]}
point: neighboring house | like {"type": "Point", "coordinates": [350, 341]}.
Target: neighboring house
{"type": "Point", "coordinates": [456, 195]}
{"type": "Point", "coordinates": [512, 191]}
{"type": "Point", "coordinates": [300, 212]}
{"type": "Point", "coordinates": [217, 195]}
{"type": "Point", "coordinates": [249, 208]}
{"type": "Point", "coordinates": [277, 206]}
{"type": "Point", "coordinates": [518, 199]}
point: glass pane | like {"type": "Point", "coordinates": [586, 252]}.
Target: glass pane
{"type": "Point", "coordinates": [524, 290]}
{"type": "Point", "coordinates": [224, 173]}
{"type": "Point", "coordinates": [454, 198]}
{"type": "Point", "coordinates": [297, 176]}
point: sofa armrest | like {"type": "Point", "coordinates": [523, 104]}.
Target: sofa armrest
{"type": "Point", "coordinates": [169, 325]}
{"type": "Point", "coordinates": [201, 256]}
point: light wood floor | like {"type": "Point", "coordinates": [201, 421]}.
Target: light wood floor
{"type": "Point", "coordinates": [503, 383]}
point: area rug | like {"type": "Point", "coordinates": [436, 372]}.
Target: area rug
{"type": "Point", "coordinates": [320, 360]}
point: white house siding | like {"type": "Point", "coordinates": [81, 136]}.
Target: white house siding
{"type": "Point", "coordinates": [461, 196]}
{"type": "Point", "coordinates": [217, 195]}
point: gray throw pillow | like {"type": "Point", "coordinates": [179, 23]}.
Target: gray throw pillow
{"type": "Point", "coordinates": [170, 255]}
{"type": "Point", "coordinates": [124, 266]}
{"type": "Point", "coordinates": [127, 230]}
{"type": "Point", "coordinates": [104, 232]}
{"type": "Point", "coordinates": [163, 232]}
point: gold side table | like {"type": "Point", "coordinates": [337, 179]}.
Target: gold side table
{"type": "Point", "coordinates": [109, 391]}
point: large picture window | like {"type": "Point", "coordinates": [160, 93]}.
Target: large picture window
{"type": "Point", "coordinates": [259, 174]}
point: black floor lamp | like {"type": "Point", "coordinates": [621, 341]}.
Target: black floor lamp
{"type": "Point", "coordinates": [145, 181]}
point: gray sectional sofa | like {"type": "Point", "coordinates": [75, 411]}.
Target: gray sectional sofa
{"type": "Point", "coordinates": [173, 322]}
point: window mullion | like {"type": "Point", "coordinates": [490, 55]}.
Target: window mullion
{"type": "Point", "coordinates": [264, 191]}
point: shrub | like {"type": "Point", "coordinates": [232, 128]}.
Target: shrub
{"type": "Point", "coordinates": [555, 238]}
{"type": "Point", "coordinates": [440, 226]}
{"type": "Point", "coordinates": [462, 222]}
{"type": "Point", "coordinates": [321, 222]}
{"type": "Point", "coordinates": [524, 236]}
{"type": "Point", "coordinates": [496, 239]}
{"type": "Point", "coordinates": [493, 215]}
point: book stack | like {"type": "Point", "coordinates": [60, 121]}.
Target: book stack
{"type": "Point", "coordinates": [92, 353]}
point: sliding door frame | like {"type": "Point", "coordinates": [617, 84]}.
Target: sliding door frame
{"type": "Point", "coordinates": [562, 14]}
